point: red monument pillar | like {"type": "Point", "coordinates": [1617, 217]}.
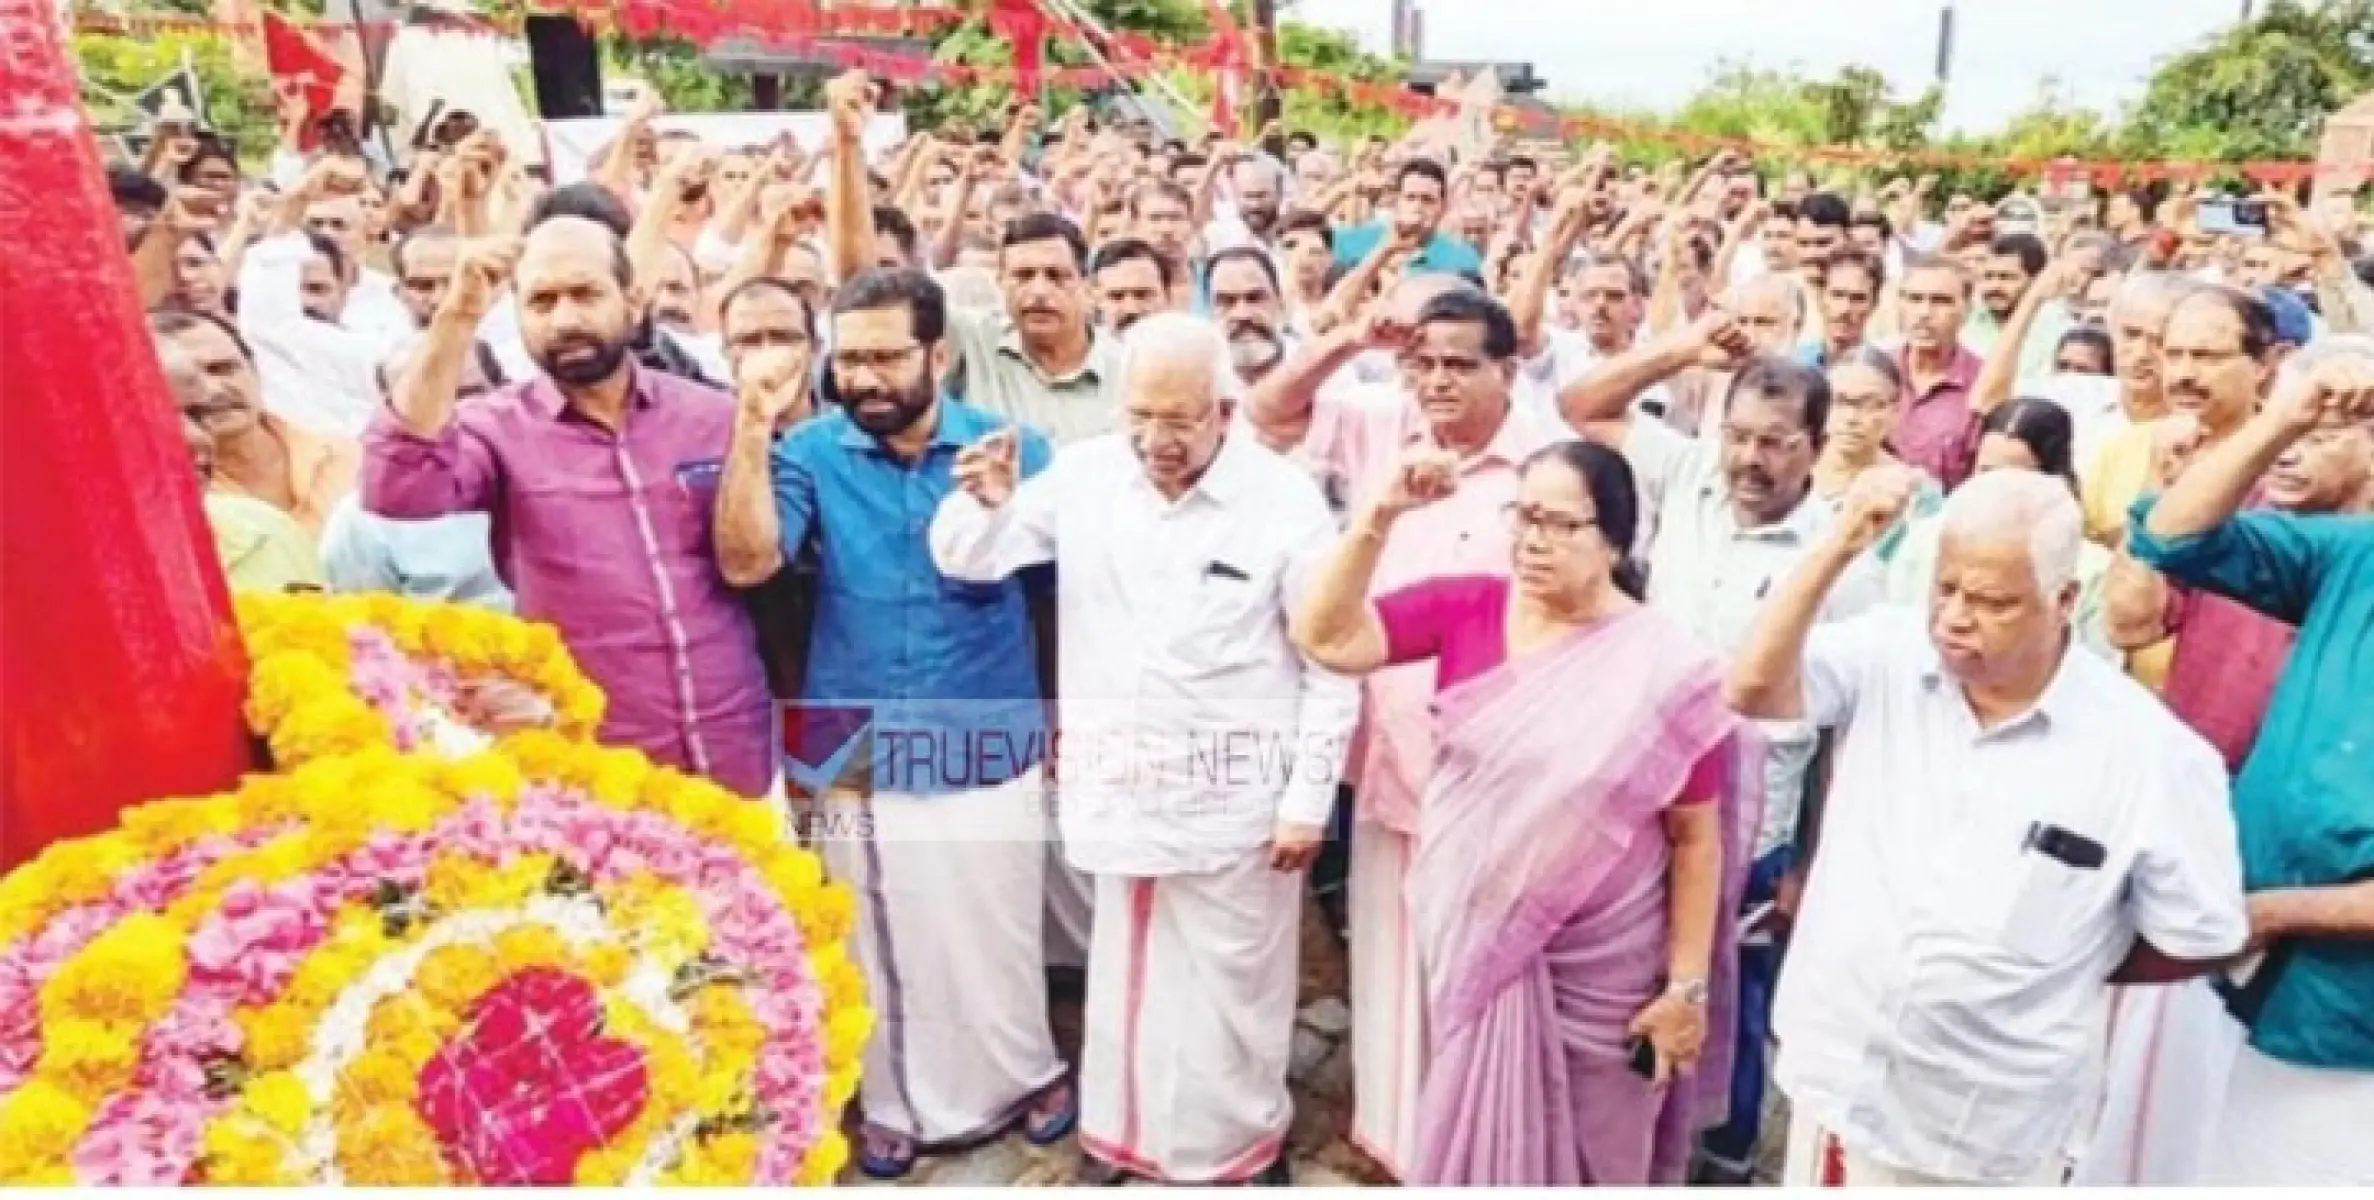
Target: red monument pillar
{"type": "Point", "coordinates": [121, 671]}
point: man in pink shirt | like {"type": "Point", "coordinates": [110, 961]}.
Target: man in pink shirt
{"type": "Point", "coordinates": [1457, 359]}
{"type": "Point", "coordinates": [601, 478]}
{"type": "Point", "coordinates": [1934, 428]}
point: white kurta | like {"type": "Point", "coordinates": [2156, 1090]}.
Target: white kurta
{"type": "Point", "coordinates": [1190, 728]}
{"type": "Point", "coordinates": [948, 937]}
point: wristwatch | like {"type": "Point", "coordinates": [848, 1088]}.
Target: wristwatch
{"type": "Point", "coordinates": [1690, 990]}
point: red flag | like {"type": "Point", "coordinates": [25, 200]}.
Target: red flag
{"type": "Point", "coordinates": [1227, 53]}
{"type": "Point", "coordinates": [298, 62]}
{"type": "Point", "coordinates": [1021, 23]}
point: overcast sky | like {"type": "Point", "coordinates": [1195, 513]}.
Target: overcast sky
{"type": "Point", "coordinates": [1656, 52]}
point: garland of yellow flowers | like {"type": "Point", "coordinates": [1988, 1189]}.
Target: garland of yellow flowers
{"type": "Point", "coordinates": [300, 694]}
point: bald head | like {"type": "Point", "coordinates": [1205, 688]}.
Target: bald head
{"type": "Point", "coordinates": [1411, 294]}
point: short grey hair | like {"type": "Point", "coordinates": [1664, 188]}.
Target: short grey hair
{"type": "Point", "coordinates": [1180, 340]}
{"type": "Point", "coordinates": [1785, 283]}
{"type": "Point", "coordinates": [2151, 287]}
{"type": "Point", "coordinates": [2026, 505]}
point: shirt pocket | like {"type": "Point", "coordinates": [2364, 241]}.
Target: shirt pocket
{"type": "Point", "coordinates": [2055, 907]}
{"type": "Point", "coordinates": [1223, 621]}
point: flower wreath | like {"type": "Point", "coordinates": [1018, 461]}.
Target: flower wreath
{"type": "Point", "coordinates": [336, 674]}
{"type": "Point", "coordinates": [543, 962]}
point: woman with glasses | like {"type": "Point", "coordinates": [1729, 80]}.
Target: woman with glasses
{"type": "Point", "coordinates": [1865, 389]}
{"type": "Point", "coordinates": [1572, 879]}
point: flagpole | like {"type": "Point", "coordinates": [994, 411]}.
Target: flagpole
{"type": "Point", "coordinates": [1072, 12]}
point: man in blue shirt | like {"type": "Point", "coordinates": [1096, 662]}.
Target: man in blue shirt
{"type": "Point", "coordinates": [929, 689]}
{"type": "Point", "coordinates": [2301, 1098]}
{"type": "Point", "coordinates": [1420, 193]}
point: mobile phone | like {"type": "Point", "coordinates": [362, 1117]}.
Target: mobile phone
{"type": "Point", "coordinates": [2250, 216]}
{"type": "Point", "coordinates": [2222, 216]}
{"type": "Point", "coordinates": [1644, 1057]}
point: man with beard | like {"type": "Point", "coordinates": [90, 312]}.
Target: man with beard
{"type": "Point", "coordinates": [1455, 354]}
{"type": "Point", "coordinates": [2014, 262]}
{"type": "Point", "coordinates": [949, 867]}
{"type": "Point", "coordinates": [675, 293]}
{"type": "Point", "coordinates": [1182, 545]}
{"type": "Point", "coordinates": [600, 476]}
{"type": "Point", "coordinates": [256, 453]}
{"type": "Point", "coordinates": [1933, 431]}
{"type": "Point", "coordinates": [1132, 282]}
{"type": "Point", "coordinates": [1245, 302]}
{"type": "Point", "coordinates": [1259, 186]}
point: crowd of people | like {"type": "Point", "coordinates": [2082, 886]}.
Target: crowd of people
{"type": "Point", "coordinates": [1730, 632]}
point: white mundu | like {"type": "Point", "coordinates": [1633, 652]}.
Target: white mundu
{"type": "Point", "coordinates": [1175, 665]}
{"type": "Point", "coordinates": [1945, 999]}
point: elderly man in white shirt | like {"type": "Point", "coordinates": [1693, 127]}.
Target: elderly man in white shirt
{"type": "Point", "coordinates": [1200, 749]}
{"type": "Point", "coordinates": [2013, 825]}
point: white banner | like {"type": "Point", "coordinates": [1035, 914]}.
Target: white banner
{"type": "Point", "coordinates": [574, 142]}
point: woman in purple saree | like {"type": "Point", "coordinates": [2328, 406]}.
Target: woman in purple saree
{"type": "Point", "coordinates": [1580, 846]}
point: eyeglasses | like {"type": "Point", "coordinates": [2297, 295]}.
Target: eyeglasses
{"type": "Point", "coordinates": [1563, 527]}
{"type": "Point", "coordinates": [1763, 445]}
{"type": "Point", "coordinates": [879, 362]}
{"type": "Point", "coordinates": [1175, 426]}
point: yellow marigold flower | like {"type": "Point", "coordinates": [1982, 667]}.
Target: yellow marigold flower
{"type": "Point", "coordinates": [735, 1155]}
{"type": "Point", "coordinates": [839, 1087]}
{"type": "Point", "coordinates": [829, 915]}
{"type": "Point", "coordinates": [675, 1080]}
{"type": "Point", "coordinates": [57, 1175]}
{"type": "Point", "coordinates": [388, 1146]}
{"type": "Point", "coordinates": [825, 1160]}
{"type": "Point", "coordinates": [403, 805]}
{"type": "Point", "coordinates": [129, 973]}
{"type": "Point", "coordinates": [281, 682]}
{"type": "Point", "coordinates": [845, 1036]}
{"type": "Point", "coordinates": [39, 1124]}
{"type": "Point", "coordinates": [91, 1059]}
{"type": "Point", "coordinates": [607, 1168]}
{"type": "Point", "coordinates": [279, 1100]}
{"type": "Point", "coordinates": [608, 964]}
{"type": "Point", "coordinates": [238, 1152]}
{"type": "Point", "coordinates": [616, 777]}
{"type": "Point", "coordinates": [381, 1075]}
{"type": "Point", "coordinates": [453, 976]}
{"type": "Point", "coordinates": [512, 883]}
{"type": "Point", "coordinates": [490, 775]}
{"type": "Point", "coordinates": [325, 974]}
{"type": "Point", "coordinates": [161, 826]}
{"type": "Point", "coordinates": [752, 826]}
{"type": "Point", "coordinates": [793, 873]}
{"type": "Point", "coordinates": [524, 946]}
{"type": "Point", "coordinates": [277, 1035]}
{"type": "Point", "coordinates": [725, 1025]}
{"type": "Point", "coordinates": [667, 923]}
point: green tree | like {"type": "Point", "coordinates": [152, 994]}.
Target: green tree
{"type": "Point", "coordinates": [2258, 90]}
{"type": "Point", "coordinates": [112, 68]}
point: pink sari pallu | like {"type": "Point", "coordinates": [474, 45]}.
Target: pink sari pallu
{"type": "Point", "coordinates": [1538, 896]}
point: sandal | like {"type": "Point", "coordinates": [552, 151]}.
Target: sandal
{"type": "Point", "coordinates": [883, 1154]}
{"type": "Point", "coordinates": [1052, 1117]}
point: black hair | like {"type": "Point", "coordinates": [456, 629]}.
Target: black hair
{"type": "Point", "coordinates": [2027, 247]}
{"type": "Point", "coordinates": [1823, 208]}
{"type": "Point", "coordinates": [892, 222]}
{"type": "Point", "coordinates": [769, 283]}
{"type": "Point", "coordinates": [328, 249]}
{"type": "Point", "coordinates": [1470, 306]}
{"type": "Point", "coordinates": [1121, 250]}
{"type": "Point", "coordinates": [403, 245]}
{"type": "Point", "coordinates": [2093, 336]}
{"type": "Point", "coordinates": [134, 192]}
{"type": "Point", "coordinates": [1784, 210]}
{"type": "Point", "coordinates": [1526, 161]}
{"type": "Point", "coordinates": [173, 320]}
{"type": "Point", "coordinates": [1473, 279]}
{"type": "Point", "coordinates": [1615, 501]}
{"type": "Point", "coordinates": [208, 149]}
{"type": "Point", "coordinates": [1853, 259]}
{"type": "Point", "coordinates": [916, 291]}
{"type": "Point", "coordinates": [1300, 220]}
{"type": "Point", "coordinates": [2258, 320]}
{"type": "Point", "coordinates": [2044, 428]}
{"type": "Point", "coordinates": [1048, 227]}
{"type": "Point", "coordinates": [1775, 377]}
{"type": "Point", "coordinates": [1872, 220]}
{"type": "Point", "coordinates": [1496, 168]}
{"type": "Point", "coordinates": [1303, 136]}
{"type": "Point", "coordinates": [1426, 167]}
{"type": "Point", "coordinates": [1252, 254]}
{"type": "Point", "coordinates": [585, 199]}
